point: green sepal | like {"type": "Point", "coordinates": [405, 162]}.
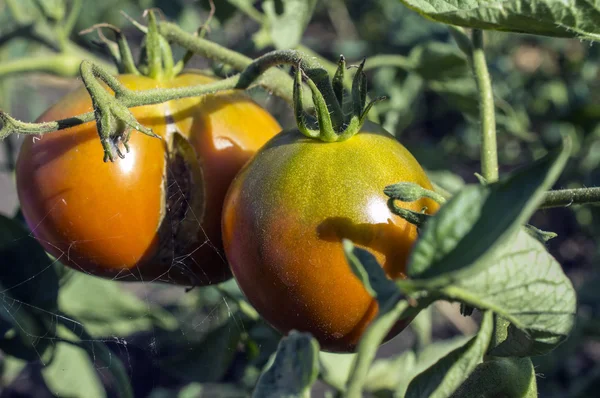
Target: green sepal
{"type": "Point", "coordinates": [338, 80]}
{"type": "Point", "coordinates": [299, 113]}
{"type": "Point", "coordinates": [327, 132]}
{"type": "Point", "coordinates": [359, 90]}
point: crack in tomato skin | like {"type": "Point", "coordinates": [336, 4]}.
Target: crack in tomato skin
{"type": "Point", "coordinates": [108, 219]}
{"type": "Point", "coordinates": [286, 214]}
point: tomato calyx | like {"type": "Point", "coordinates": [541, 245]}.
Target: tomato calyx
{"type": "Point", "coordinates": [330, 104]}
{"type": "Point", "coordinates": [156, 57]}
{"type": "Point", "coordinates": [113, 119]}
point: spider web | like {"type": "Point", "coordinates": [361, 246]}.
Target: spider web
{"type": "Point", "coordinates": [150, 343]}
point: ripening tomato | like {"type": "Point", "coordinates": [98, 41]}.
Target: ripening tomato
{"type": "Point", "coordinates": [284, 219]}
{"type": "Point", "coordinates": [156, 214]}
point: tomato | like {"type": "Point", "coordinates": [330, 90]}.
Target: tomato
{"type": "Point", "coordinates": [284, 219]}
{"type": "Point", "coordinates": [118, 220]}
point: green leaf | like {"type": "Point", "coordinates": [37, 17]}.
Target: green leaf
{"type": "Point", "coordinates": [557, 18]}
{"type": "Point", "coordinates": [29, 288]}
{"type": "Point", "coordinates": [438, 61]}
{"type": "Point", "coordinates": [372, 338]}
{"type": "Point", "coordinates": [422, 325]}
{"type": "Point", "coordinates": [501, 377]}
{"type": "Point", "coordinates": [27, 274]}
{"type": "Point", "coordinates": [204, 358]}
{"type": "Point", "coordinates": [294, 369]}
{"type": "Point", "coordinates": [11, 369]}
{"type": "Point", "coordinates": [460, 93]}
{"type": "Point", "coordinates": [540, 235]}
{"type": "Point", "coordinates": [526, 286]}
{"type": "Point", "coordinates": [335, 368]}
{"type": "Point", "coordinates": [72, 373]}
{"type": "Point", "coordinates": [196, 390]}
{"type": "Point", "coordinates": [389, 376]}
{"type": "Point", "coordinates": [386, 375]}
{"type": "Point", "coordinates": [369, 271]}
{"type": "Point", "coordinates": [426, 358]}
{"type": "Point", "coordinates": [447, 180]}
{"type": "Point", "coordinates": [287, 20]}
{"type": "Point", "coordinates": [81, 356]}
{"type": "Point", "coordinates": [448, 373]}
{"type": "Point", "coordinates": [106, 309]}
{"type": "Point", "coordinates": [97, 352]}
{"type": "Point", "coordinates": [463, 235]}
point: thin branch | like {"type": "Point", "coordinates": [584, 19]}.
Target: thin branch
{"type": "Point", "coordinates": [61, 65]}
{"type": "Point", "coordinates": [489, 150]}
{"type": "Point", "coordinates": [568, 197]}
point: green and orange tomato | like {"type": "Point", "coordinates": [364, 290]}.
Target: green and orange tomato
{"type": "Point", "coordinates": [284, 219]}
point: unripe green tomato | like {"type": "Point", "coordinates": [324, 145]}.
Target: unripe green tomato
{"type": "Point", "coordinates": [284, 219]}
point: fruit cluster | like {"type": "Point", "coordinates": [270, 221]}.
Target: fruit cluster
{"type": "Point", "coordinates": [226, 193]}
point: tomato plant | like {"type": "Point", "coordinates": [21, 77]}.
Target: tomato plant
{"type": "Point", "coordinates": [155, 214]}
{"type": "Point", "coordinates": [459, 211]}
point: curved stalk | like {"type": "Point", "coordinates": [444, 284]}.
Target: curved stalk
{"type": "Point", "coordinates": [489, 149]}
{"type": "Point", "coordinates": [568, 197]}
{"type": "Point", "coordinates": [59, 64]}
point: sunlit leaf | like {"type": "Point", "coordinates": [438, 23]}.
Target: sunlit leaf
{"type": "Point", "coordinates": [72, 373]}
{"type": "Point", "coordinates": [293, 370]}
{"type": "Point", "coordinates": [526, 286]}
{"type": "Point", "coordinates": [287, 20]}
{"type": "Point", "coordinates": [106, 309]}
{"type": "Point", "coordinates": [448, 373]}
{"type": "Point", "coordinates": [570, 18]}
{"type": "Point", "coordinates": [335, 368]}
{"type": "Point", "coordinates": [369, 271]}
{"type": "Point", "coordinates": [500, 377]}
{"type": "Point", "coordinates": [82, 358]}
{"type": "Point", "coordinates": [466, 231]}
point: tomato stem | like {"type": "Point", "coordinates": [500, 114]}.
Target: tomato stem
{"type": "Point", "coordinates": [489, 148]}
{"type": "Point", "coordinates": [276, 81]}
{"type": "Point", "coordinates": [119, 51]}
{"type": "Point", "coordinates": [201, 32]}
{"type": "Point", "coordinates": [58, 64]}
{"type": "Point", "coordinates": [568, 197]}
{"type": "Point", "coordinates": [167, 58]}
{"type": "Point", "coordinates": [65, 29]}
{"type": "Point", "coordinates": [152, 48]}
